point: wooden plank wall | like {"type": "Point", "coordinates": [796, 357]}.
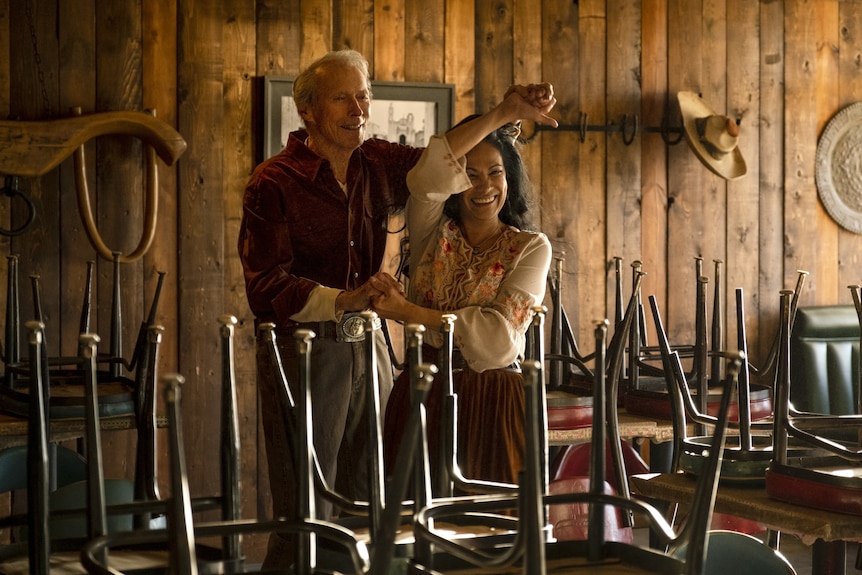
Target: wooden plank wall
{"type": "Point", "coordinates": [784, 68]}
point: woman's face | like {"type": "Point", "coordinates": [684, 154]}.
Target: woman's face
{"type": "Point", "coordinates": [486, 198]}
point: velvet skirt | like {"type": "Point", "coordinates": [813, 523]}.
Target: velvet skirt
{"type": "Point", "coordinates": [491, 420]}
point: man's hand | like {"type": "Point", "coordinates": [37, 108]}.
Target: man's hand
{"type": "Point", "coordinates": [361, 298]}
{"type": "Point", "coordinates": [389, 302]}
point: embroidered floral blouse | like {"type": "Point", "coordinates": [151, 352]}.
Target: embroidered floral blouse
{"type": "Point", "coordinates": [491, 292]}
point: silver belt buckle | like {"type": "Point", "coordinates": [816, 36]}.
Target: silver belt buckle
{"type": "Point", "coordinates": [351, 328]}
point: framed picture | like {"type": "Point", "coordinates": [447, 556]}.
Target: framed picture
{"type": "Point", "coordinates": [405, 112]}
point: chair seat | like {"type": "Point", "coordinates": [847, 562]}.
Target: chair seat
{"type": "Point", "coordinates": [69, 563]}
{"type": "Point", "coordinates": [738, 465]}
{"type": "Point", "coordinates": [740, 554]}
{"type": "Point", "coordinates": [564, 557]}
{"type": "Point", "coordinates": [656, 403]}
{"type": "Point", "coordinates": [567, 410]}
{"type": "Point", "coordinates": [116, 397]}
{"type": "Point", "coordinates": [570, 521]}
{"type": "Point", "coordinates": [574, 461]}
{"type": "Point", "coordinates": [828, 483]}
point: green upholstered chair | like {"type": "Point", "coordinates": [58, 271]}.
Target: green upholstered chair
{"type": "Point", "coordinates": [824, 350]}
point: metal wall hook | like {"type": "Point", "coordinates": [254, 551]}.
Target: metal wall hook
{"type": "Point", "coordinates": [629, 127]}
{"type": "Point", "coordinates": [10, 190]}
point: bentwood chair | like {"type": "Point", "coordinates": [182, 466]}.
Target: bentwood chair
{"type": "Point", "coordinates": [532, 551]}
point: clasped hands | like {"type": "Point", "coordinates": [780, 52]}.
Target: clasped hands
{"type": "Point", "coordinates": [382, 293]}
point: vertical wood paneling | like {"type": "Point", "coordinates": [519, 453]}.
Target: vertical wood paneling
{"type": "Point", "coordinates": [160, 86]}
{"type": "Point", "coordinates": [36, 247]}
{"type": "Point", "coordinates": [743, 231]}
{"type": "Point", "coordinates": [623, 225]}
{"type": "Point", "coordinates": [686, 174]}
{"type": "Point", "coordinates": [849, 91]}
{"type": "Point", "coordinates": [201, 218]}
{"type": "Point", "coordinates": [316, 18]}
{"type": "Point", "coordinates": [771, 183]}
{"type": "Point", "coordinates": [389, 38]}
{"type": "Point", "coordinates": [354, 26]}
{"type": "Point", "coordinates": [120, 185]}
{"type": "Point", "coordinates": [527, 24]}
{"type": "Point", "coordinates": [800, 93]}
{"type": "Point", "coordinates": [654, 109]}
{"type": "Point", "coordinates": [494, 52]}
{"type": "Point", "coordinates": [713, 191]}
{"type": "Point", "coordinates": [159, 48]}
{"type": "Point", "coordinates": [592, 257]}
{"type": "Point", "coordinates": [423, 40]}
{"type": "Point", "coordinates": [460, 58]}
{"type": "Point", "coordinates": [560, 57]}
{"type": "Point", "coordinates": [279, 37]}
{"type": "Point", "coordinates": [5, 58]}
{"type": "Point", "coordinates": [239, 65]}
{"type": "Point", "coordinates": [77, 88]}
{"type": "Point", "coordinates": [826, 104]}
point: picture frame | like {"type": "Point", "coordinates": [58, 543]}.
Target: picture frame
{"type": "Point", "coordinates": [400, 111]}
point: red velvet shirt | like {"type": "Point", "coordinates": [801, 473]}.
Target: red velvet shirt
{"type": "Point", "coordinates": [300, 230]}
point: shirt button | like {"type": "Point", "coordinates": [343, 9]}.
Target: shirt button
{"type": "Point", "coordinates": [352, 243]}
{"type": "Point", "coordinates": [355, 274]}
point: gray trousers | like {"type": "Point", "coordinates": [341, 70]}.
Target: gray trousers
{"type": "Point", "coordinates": [339, 424]}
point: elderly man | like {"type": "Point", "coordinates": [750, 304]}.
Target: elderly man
{"type": "Point", "coordinates": [313, 234]}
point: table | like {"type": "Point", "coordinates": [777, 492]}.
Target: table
{"type": "Point", "coordinates": [631, 426]}
{"type": "Point", "coordinates": [13, 429]}
{"type": "Point", "coordinates": [825, 531]}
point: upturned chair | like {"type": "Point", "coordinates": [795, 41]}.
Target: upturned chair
{"type": "Point", "coordinates": [365, 518]}
{"type": "Point", "coordinates": [531, 551]}
{"type": "Point", "coordinates": [570, 404]}
{"type": "Point", "coordinates": [101, 507]}
{"type": "Point", "coordinates": [351, 552]}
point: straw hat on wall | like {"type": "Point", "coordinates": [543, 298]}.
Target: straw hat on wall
{"type": "Point", "coordinates": [713, 138]}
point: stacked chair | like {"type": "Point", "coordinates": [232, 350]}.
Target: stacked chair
{"type": "Point", "coordinates": [532, 549]}
{"type": "Point", "coordinates": [100, 511]}
{"type": "Point", "coordinates": [120, 395]}
{"type": "Point", "coordinates": [569, 384]}
{"type": "Point", "coordinates": [646, 392]}
{"type": "Point", "coordinates": [355, 554]}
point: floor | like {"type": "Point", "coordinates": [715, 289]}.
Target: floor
{"type": "Point", "coordinates": [799, 556]}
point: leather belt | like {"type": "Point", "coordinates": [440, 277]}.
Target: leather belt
{"type": "Point", "coordinates": [321, 329]}
{"type": "Point", "coordinates": [350, 329]}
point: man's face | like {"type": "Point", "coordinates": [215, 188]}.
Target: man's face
{"type": "Point", "coordinates": [339, 115]}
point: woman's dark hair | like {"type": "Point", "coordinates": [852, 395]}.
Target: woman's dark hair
{"type": "Point", "coordinates": [515, 211]}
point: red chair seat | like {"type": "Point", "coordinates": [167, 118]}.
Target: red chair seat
{"type": "Point", "coordinates": [569, 410]}
{"type": "Point", "coordinates": [837, 487]}
{"type": "Point", "coordinates": [570, 521]}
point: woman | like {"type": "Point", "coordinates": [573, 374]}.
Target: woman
{"type": "Point", "coordinates": [472, 255]}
